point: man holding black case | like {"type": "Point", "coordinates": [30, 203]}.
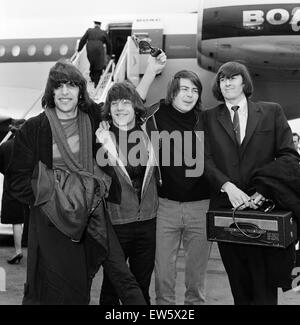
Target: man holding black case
{"type": "Point", "coordinates": [242, 136]}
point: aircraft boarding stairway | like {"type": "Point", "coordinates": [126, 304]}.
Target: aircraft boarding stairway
{"type": "Point", "coordinates": [127, 68]}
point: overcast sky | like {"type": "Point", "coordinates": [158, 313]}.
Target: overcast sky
{"type": "Point", "coordinates": [12, 9]}
{"type": "Point", "coordinates": [49, 18]}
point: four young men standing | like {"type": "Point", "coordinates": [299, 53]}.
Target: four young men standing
{"type": "Point", "coordinates": [240, 137]}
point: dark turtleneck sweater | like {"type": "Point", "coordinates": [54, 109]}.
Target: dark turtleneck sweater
{"type": "Point", "coordinates": [136, 173]}
{"type": "Point", "coordinates": [176, 185]}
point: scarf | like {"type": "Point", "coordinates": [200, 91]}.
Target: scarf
{"type": "Point", "coordinates": [85, 139]}
{"type": "Point", "coordinates": [70, 198]}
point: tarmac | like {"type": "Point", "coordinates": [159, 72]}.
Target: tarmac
{"type": "Point", "coordinates": [217, 286]}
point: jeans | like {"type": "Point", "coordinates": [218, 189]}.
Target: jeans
{"type": "Point", "coordinates": [137, 240]}
{"type": "Point", "coordinates": [181, 222]}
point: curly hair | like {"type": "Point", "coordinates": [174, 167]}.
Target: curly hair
{"type": "Point", "coordinates": [124, 90]}
{"type": "Point", "coordinates": [62, 72]}
{"type": "Point", "coordinates": [174, 86]}
{"type": "Point", "coordinates": [229, 70]}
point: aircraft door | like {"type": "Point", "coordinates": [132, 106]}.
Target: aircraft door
{"type": "Point", "coordinates": [118, 34]}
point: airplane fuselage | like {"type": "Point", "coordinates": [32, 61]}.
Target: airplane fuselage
{"type": "Point", "coordinates": [264, 35]}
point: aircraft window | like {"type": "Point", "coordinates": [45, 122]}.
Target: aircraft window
{"type": "Point", "coordinates": [31, 50]}
{"type": "Point", "coordinates": [63, 50]}
{"type": "Point", "coordinates": [2, 50]}
{"type": "Point", "coordinates": [15, 51]}
{"type": "Point", "coordinates": [47, 50]}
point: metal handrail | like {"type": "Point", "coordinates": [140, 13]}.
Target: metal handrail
{"type": "Point", "coordinates": [122, 61]}
{"type": "Point", "coordinates": [105, 90]}
{"type": "Point", "coordinates": [74, 57]}
{"type": "Point", "coordinates": [76, 54]}
{"type": "Point", "coordinates": [114, 75]}
{"type": "Point", "coordinates": [111, 65]}
{"type": "Point", "coordinates": [8, 135]}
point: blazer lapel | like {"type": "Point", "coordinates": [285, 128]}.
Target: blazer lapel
{"type": "Point", "coordinates": [224, 118]}
{"type": "Point", "coordinates": [254, 116]}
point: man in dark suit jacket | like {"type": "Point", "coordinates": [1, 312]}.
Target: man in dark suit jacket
{"type": "Point", "coordinates": [95, 38]}
{"type": "Point", "coordinates": [233, 153]}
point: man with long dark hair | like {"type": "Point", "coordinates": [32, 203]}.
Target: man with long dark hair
{"type": "Point", "coordinates": [184, 192]}
{"type": "Point", "coordinates": [132, 203]}
{"type": "Point", "coordinates": [69, 233]}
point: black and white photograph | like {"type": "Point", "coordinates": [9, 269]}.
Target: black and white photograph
{"type": "Point", "coordinates": [150, 155]}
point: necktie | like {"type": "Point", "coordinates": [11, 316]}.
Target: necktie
{"type": "Point", "coordinates": [236, 124]}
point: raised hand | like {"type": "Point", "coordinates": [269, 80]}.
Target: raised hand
{"type": "Point", "coordinates": [157, 64]}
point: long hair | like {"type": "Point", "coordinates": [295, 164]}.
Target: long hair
{"type": "Point", "coordinates": [229, 70]}
{"type": "Point", "coordinates": [124, 90]}
{"type": "Point", "coordinates": [174, 86]}
{"type": "Point", "coordinates": [62, 72]}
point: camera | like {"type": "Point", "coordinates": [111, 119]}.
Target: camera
{"type": "Point", "coordinates": [145, 46]}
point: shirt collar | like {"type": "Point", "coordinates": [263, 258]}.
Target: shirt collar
{"type": "Point", "coordinates": [243, 107]}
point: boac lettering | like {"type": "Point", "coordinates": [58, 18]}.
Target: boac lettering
{"type": "Point", "coordinates": [277, 16]}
